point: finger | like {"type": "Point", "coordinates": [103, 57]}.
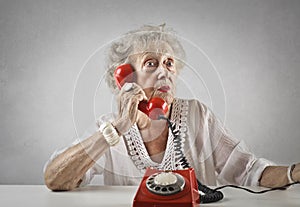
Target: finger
{"type": "Point", "coordinates": [141, 92]}
{"type": "Point", "coordinates": [137, 89]}
{"type": "Point", "coordinates": [140, 97]}
{"type": "Point", "coordinates": [127, 97]}
{"type": "Point", "coordinates": [131, 87]}
{"type": "Point", "coordinates": [133, 110]}
{"type": "Point", "coordinates": [127, 87]}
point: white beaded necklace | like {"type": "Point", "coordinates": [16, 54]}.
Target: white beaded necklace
{"type": "Point", "coordinates": [138, 152]}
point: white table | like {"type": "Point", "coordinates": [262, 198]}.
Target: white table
{"type": "Point", "coordinates": [110, 196]}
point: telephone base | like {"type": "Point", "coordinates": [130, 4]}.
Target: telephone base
{"type": "Point", "coordinates": [187, 197]}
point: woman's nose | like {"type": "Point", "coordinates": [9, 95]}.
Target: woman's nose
{"type": "Point", "coordinates": [163, 72]}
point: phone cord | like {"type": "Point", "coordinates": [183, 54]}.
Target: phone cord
{"type": "Point", "coordinates": [210, 195]}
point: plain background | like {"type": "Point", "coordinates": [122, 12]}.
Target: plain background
{"type": "Point", "coordinates": [45, 101]}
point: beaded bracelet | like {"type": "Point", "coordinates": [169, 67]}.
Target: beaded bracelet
{"type": "Point", "coordinates": [289, 173]}
{"type": "Point", "coordinates": [110, 134]}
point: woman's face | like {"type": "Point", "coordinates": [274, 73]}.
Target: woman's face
{"type": "Point", "coordinates": [156, 70]}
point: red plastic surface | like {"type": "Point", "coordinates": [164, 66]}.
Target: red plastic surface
{"type": "Point", "coordinates": [188, 197]}
{"type": "Point", "coordinates": [156, 105]}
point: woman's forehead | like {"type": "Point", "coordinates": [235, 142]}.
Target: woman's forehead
{"type": "Point", "coordinates": [158, 48]}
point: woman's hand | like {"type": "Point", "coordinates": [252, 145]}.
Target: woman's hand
{"type": "Point", "coordinates": [296, 173]}
{"type": "Point", "coordinates": [128, 100]}
{"type": "Point", "coordinates": [276, 176]}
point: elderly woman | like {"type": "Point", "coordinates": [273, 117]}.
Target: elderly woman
{"type": "Point", "coordinates": [122, 146]}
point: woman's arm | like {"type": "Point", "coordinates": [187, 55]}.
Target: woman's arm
{"type": "Point", "coordinates": [66, 170]}
{"type": "Point", "coordinates": [276, 176]}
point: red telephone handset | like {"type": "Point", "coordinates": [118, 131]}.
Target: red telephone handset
{"type": "Point", "coordinates": [167, 188]}
{"type": "Point", "coordinates": [154, 107]}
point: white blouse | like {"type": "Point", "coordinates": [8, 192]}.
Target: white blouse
{"type": "Point", "coordinates": [216, 156]}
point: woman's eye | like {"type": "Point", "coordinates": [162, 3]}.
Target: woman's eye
{"type": "Point", "coordinates": [151, 63]}
{"type": "Point", "coordinates": [169, 63]}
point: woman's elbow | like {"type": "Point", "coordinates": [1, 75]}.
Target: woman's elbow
{"type": "Point", "coordinates": [58, 183]}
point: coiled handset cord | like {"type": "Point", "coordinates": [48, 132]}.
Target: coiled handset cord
{"type": "Point", "coordinates": [210, 195]}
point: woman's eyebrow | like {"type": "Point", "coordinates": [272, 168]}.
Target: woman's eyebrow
{"type": "Point", "coordinates": [147, 55]}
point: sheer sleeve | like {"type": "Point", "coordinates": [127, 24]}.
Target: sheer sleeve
{"type": "Point", "coordinates": [234, 162]}
{"type": "Point", "coordinates": [98, 167]}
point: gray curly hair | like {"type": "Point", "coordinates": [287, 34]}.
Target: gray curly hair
{"type": "Point", "coordinates": [122, 48]}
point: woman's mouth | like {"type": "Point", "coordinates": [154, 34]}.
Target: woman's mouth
{"type": "Point", "coordinates": [164, 89]}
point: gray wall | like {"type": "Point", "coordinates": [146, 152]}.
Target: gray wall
{"type": "Point", "coordinates": [254, 46]}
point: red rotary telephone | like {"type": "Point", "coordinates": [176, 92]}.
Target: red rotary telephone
{"type": "Point", "coordinates": [177, 188]}
{"type": "Point", "coordinates": [154, 107]}
{"type": "Point", "coordinates": [167, 188]}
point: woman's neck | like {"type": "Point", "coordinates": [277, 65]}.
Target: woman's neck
{"type": "Point", "coordinates": [155, 139]}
